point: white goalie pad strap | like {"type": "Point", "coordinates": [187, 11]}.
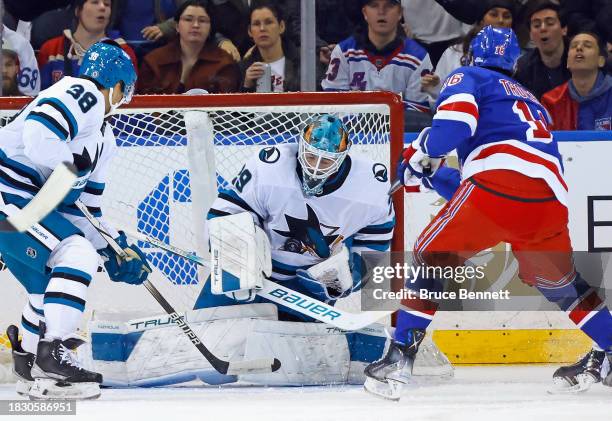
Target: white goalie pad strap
{"type": "Point", "coordinates": [334, 271]}
{"type": "Point", "coordinates": [240, 254]}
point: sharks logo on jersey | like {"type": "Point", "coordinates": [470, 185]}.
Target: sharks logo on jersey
{"type": "Point", "coordinates": [269, 155]}
{"type": "Point", "coordinates": [306, 235]}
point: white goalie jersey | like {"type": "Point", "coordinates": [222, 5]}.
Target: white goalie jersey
{"type": "Point", "coordinates": [64, 123]}
{"type": "Point", "coordinates": [354, 208]}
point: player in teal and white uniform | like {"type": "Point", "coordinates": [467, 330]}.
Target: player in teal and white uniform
{"type": "Point", "coordinates": [56, 259]}
{"type": "Point", "coordinates": [317, 204]}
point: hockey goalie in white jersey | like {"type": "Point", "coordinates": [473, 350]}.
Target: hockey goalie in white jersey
{"type": "Point", "coordinates": [315, 207]}
{"type": "Point", "coordinates": [56, 259]}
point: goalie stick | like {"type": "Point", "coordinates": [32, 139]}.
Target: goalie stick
{"type": "Point", "coordinates": [263, 365]}
{"type": "Point", "coordinates": [44, 201]}
{"type": "Point", "coordinates": [285, 296]}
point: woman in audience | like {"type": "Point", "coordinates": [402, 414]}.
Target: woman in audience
{"type": "Point", "coordinates": [61, 56]}
{"type": "Point", "coordinates": [266, 28]}
{"type": "Point", "coordinates": [191, 60]}
{"type": "Point", "coordinates": [498, 13]}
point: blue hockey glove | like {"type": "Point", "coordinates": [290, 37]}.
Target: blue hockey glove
{"type": "Point", "coordinates": [132, 270]}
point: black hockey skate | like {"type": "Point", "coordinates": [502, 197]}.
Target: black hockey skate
{"type": "Point", "coordinates": [58, 373]}
{"type": "Point", "coordinates": [386, 376]}
{"type": "Point", "coordinates": [579, 376]}
{"type": "Point", "coordinates": [22, 362]}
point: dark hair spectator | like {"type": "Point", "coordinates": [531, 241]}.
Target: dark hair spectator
{"type": "Point", "coordinates": [498, 13]}
{"type": "Point", "coordinates": [20, 74]}
{"type": "Point", "coordinates": [267, 28]}
{"type": "Point", "coordinates": [192, 60]}
{"type": "Point", "coordinates": [62, 55]}
{"type": "Point", "coordinates": [544, 67]}
{"type": "Point", "coordinates": [585, 101]}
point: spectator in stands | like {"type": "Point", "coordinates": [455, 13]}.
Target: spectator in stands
{"type": "Point", "coordinates": [544, 67]}
{"type": "Point", "coordinates": [267, 28]}
{"type": "Point", "coordinates": [190, 61]}
{"type": "Point", "coordinates": [10, 69]}
{"type": "Point", "coordinates": [62, 55]}
{"type": "Point", "coordinates": [20, 74]}
{"type": "Point", "coordinates": [381, 58]}
{"type": "Point", "coordinates": [585, 101]}
{"type": "Point", "coordinates": [498, 13]}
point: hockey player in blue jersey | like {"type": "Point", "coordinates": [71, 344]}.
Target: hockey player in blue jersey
{"type": "Point", "coordinates": [510, 188]}
{"type": "Point", "coordinates": [56, 259]}
{"type": "Point", "coordinates": [307, 204]}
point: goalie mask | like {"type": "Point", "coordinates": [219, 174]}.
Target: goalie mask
{"type": "Point", "coordinates": [323, 147]}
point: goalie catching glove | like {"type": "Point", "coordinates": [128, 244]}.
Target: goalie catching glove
{"type": "Point", "coordinates": [330, 279]}
{"type": "Point", "coordinates": [132, 269]}
{"type": "Point", "coordinates": [240, 256]}
{"type": "Point", "coordinates": [415, 163]}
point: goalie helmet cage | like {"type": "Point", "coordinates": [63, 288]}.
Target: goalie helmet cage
{"type": "Point", "coordinates": [170, 147]}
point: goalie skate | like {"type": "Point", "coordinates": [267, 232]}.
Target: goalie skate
{"type": "Point", "coordinates": [58, 374]}
{"type": "Point", "coordinates": [22, 362]}
{"type": "Point", "coordinates": [579, 376]}
{"type": "Point", "coordinates": [385, 377]}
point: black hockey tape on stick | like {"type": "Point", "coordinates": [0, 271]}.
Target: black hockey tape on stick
{"type": "Point", "coordinates": [49, 196]}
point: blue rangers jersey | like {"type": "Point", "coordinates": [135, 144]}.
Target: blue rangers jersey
{"type": "Point", "coordinates": [63, 123]}
{"type": "Point", "coordinates": [353, 209]}
{"type": "Point", "coordinates": [354, 68]}
{"type": "Point", "coordinates": [495, 124]}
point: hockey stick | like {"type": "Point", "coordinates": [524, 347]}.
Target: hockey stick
{"type": "Point", "coordinates": [285, 296]}
{"type": "Point", "coordinates": [263, 365]}
{"type": "Point", "coordinates": [48, 197]}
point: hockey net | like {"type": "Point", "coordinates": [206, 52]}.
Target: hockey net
{"type": "Point", "coordinates": [174, 151]}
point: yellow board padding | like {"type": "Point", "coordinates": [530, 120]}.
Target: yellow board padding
{"type": "Point", "coordinates": [517, 346]}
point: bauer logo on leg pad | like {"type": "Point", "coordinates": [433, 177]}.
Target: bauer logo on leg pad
{"type": "Point", "coordinates": [310, 305]}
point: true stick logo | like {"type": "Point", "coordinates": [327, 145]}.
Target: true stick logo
{"type": "Point", "coordinates": [179, 320]}
{"type": "Point", "coordinates": [305, 303]}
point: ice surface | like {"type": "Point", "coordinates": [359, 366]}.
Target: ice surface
{"type": "Point", "coordinates": [492, 393]}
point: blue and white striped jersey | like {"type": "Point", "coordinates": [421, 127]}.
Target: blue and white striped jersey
{"type": "Point", "coordinates": [354, 68]}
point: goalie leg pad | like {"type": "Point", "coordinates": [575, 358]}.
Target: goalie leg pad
{"type": "Point", "coordinates": [153, 351]}
{"type": "Point", "coordinates": [313, 353]}
{"type": "Point", "coordinates": [240, 254]}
